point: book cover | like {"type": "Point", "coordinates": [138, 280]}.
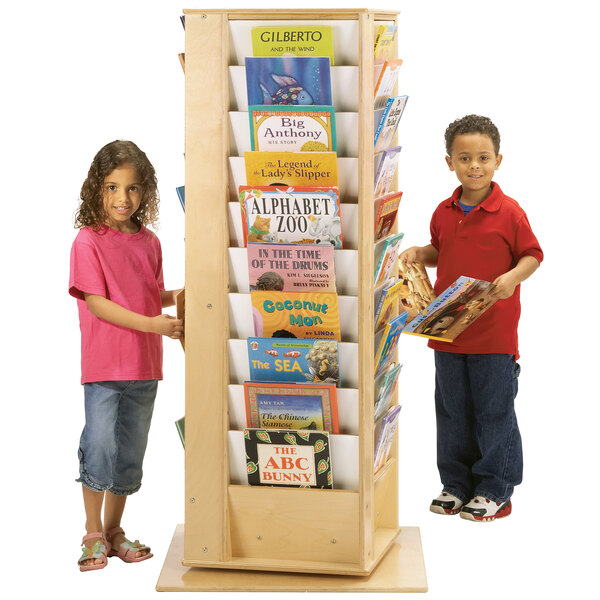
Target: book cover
{"type": "Point", "coordinates": [292, 128]}
{"type": "Point", "coordinates": [390, 118]}
{"type": "Point", "coordinates": [386, 301]}
{"type": "Point", "coordinates": [384, 432]}
{"type": "Point", "coordinates": [386, 210]}
{"type": "Point", "coordinates": [386, 82]}
{"type": "Point", "coordinates": [299, 40]}
{"type": "Point", "coordinates": [280, 405]}
{"type": "Point", "coordinates": [306, 315]}
{"type": "Point", "coordinates": [384, 43]}
{"type": "Point", "coordinates": [293, 360]}
{"type": "Point", "coordinates": [288, 458]}
{"type": "Point", "coordinates": [386, 253]}
{"type": "Point", "coordinates": [385, 385]}
{"type": "Point", "coordinates": [284, 215]}
{"type": "Point", "coordinates": [386, 342]}
{"type": "Point", "coordinates": [291, 267]}
{"type": "Point", "coordinates": [386, 163]}
{"type": "Point", "coordinates": [180, 426]}
{"type": "Point", "coordinates": [416, 293]}
{"type": "Point", "coordinates": [297, 80]}
{"type": "Point", "coordinates": [181, 195]}
{"type": "Point", "coordinates": [453, 310]}
{"type": "Point", "coordinates": [308, 169]}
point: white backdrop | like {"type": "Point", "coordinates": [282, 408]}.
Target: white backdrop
{"type": "Point", "coordinates": [76, 75]}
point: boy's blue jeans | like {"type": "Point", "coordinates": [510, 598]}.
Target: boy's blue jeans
{"type": "Point", "coordinates": [114, 439]}
{"type": "Point", "coordinates": [479, 448]}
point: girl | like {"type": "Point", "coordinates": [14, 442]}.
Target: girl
{"type": "Point", "coordinates": [116, 276]}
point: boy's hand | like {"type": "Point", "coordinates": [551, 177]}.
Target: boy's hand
{"type": "Point", "coordinates": [505, 286]}
{"type": "Point", "coordinates": [167, 325]}
{"type": "Point", "coordinates": [426, 255]}
{"type": "Point", "coordinates": [409, 256]}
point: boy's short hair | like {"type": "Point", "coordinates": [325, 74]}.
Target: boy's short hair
{"type": "Point", "coordinates": [472, 124]}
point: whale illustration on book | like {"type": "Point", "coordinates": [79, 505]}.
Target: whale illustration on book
{"type": "Point", "coordinates": [289, 92]}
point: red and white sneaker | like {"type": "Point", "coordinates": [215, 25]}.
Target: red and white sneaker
{"type": "Point", "coordinates": [482, 509]}
{"type": "Point", "coordinates": [446, 504]}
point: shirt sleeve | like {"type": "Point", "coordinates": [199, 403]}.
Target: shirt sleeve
{"type": "Point", "coordinates": [435, 242]}
{"type": "Point", "coordinates": [86, 274]}
{"type": "Point", "coordinates": [525, 243]}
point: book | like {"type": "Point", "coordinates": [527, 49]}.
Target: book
{"type": "Point", "coordinates": [181, 195]}
{"type": "Point", "coordinates": [386, 299]}
{"type": "Point", "coordinates": [457, 307]}
{"type": "Point", "coordinates": [385, 385]}
{"type": "Point", "coordinates": [416, 293]}
{"type": "Point", "coordinates": [384, 431]}
{"type": "Point", "coordinates": [386, 82]}
{"type": "Point", "coordinates": [388, 123]}
{"type": "Point", "coordinates": [291, 267]}
{"type": "Point", "coordinates": [386, 342]}
{"type": "Point", "coordinates": [297, 80]}
{"type": "Point", "coordinates": [288, 458]}
{"type": "Point", "coordinates": [384, 43]}
{"type": "Point", "coordinates": [302, 406]}
{"type": "Point", "coordinates": [386, 163]}
{"type": "Point", "coordinates": [386, 254]}
{"type": "Point", "coordinates": [292, 128]}
{"type": "Point", "coordinates": [306, 169]}
{"type": "Point", "coordinates": [306, 315]}
{"type": "Point", "coordinates": [299, 40]}
{"type": "Point", "coordinates": [293, 360]}
{"type": "Point", "coordinates": [180, 426]}
{"type": "Point", "coordinates": [386, 210]}
{"type": "Point", "coordinates": [284, 215]}
{"type": "Point", "coordinates": [181, 56]}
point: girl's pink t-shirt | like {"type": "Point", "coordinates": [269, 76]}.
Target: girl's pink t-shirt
{"type": "Point", "coordinates": [127, 269]}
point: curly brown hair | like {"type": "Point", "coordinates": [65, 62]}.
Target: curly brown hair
{"type": "Point", "coordinates": [472, 124]}
{"type": "Point", "coordinates": [110, 157]}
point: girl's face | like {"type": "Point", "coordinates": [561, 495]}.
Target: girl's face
{"type": "Point", "coordinates": [121, 197]}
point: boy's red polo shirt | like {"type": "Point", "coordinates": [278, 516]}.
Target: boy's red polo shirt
{"type": "Point", "coordinates": [484, 244]}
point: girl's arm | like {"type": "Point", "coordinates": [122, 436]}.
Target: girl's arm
{"type": "Point", "coordinates": [117, 315]}
{"type": "Point", "coordinates": [507, 282]}
{"type": "Point", "coordinates": [168, 297]}
{"type": "Point", "coordinates": [426, 255]}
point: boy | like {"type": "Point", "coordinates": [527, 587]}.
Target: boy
{"type": "Point", "coordinates": [481, 233]}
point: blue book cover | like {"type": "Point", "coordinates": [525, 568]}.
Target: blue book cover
{"type": "Point", "coordinates": [181, 195]}
{"type": "Point", "coordinates": [293, 360]}
{"type": "Point", "coordinates": [288, 80]}
{"type": "Point", "coordinates": [386, 342]}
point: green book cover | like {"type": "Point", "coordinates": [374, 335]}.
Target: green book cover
{"type": "Point", "coordinates": [180, 424]}
{"type": "Point", "coordinates": [301, 40]}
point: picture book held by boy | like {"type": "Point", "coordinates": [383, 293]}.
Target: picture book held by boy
{"type": "Point", "coordinates": [291, 406]}
{"type": "Point", "coordinates": [297, 80]}
{"type": "Point", "coordinates": [416, 292]}
{"type": "Point", "coordinates": [386, 210]}
{"type": "Point", "coordinates": [285, 215]}
{"type": "Point", "coordinates": [453, 310]}
{"type": "Point", "coordinates": [385, 385]}
{"type": "Point", "coordinates": [386, 82]}
{"type": "Point", "coordinates": [386, 342]}
{"type": "Point", "coordinates": [288, 458]}
{"type": "Point", "coordinates": [390, 118]}
{"type": "Point", "coordinates": [386, 254]}
{"type": "Point", "coordinates": [292, 128]}
{"type": "Point", "coordinates": [306, 315]}
{"type": "Point", "coordinates": [299, 40]}
{"type": "Point", "coordinates": [386, 163]}
{"type": "Point", "coordinates": [293, 360]}
{"type": "Point", "coordinates": [285, 169]}
{"type": "Point", "coordinates": [384, 432]}
{"type": "Point", "coordinates": [291, 267]}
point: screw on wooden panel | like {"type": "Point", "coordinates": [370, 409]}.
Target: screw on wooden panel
{"type": "Point", "coordinates": [205, 549]}
{"type": "Point", "coordinates": [259, 538]}
{"type": "Point", "coordinates": [333, 541]}
{"type": "Point", "coordinates": [192, 500]}
{"type": "Point", "coordinates": [204, 16]}
{"type": "Point", "coordinates": [209, 306]}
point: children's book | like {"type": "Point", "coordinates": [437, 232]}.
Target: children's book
{"type": "Point", "coordinates": [299, 40]}
{"type": "Point", "coordinates": [386, 209]}
{"type": "Point", "coordinates": [286, 215]}
{"type": "Point", "coordinates": [390, 117]}
{"type": "Point", "coordinates": [291, 406]}
{"type": "Point", "coordinates": [453, 310]}
{"type": "Point", "coordinates": [384, 43]}
{"type": "Point", "coordinates": [297, 80]}
{"type": "Point", "coordinates": [386, 82]}
{"type": "Point", "coordinates": [180, 425]}
{"type": "Point", "coordinates": [288, 458]}
{"type": "Point", "coordinates": [292, 128]}
{"type": "Point", "coordinates": [181, 56]}
{"type": "Point", "coordinates": [181, 195]}
{"type": "Point", "coordinates": [386, 299]}
{"type": "Point", "coordinates": [306, 315]}
{"type": "Point", "coordinates": [293, 360]}
{"type": "Point", "coordinates": [416, 293]}
{"type": "Point", "coordinates": [386, 342]}
{"type": "Point", "coordinates": [386, 253]}
{"type": "Point", "coordinates": [291, 267]}
{"type": "Point", "coordinates": [386, 163]}
{"type": "Point", "coordinates": [384, 432]}
{"type": "Point", "coordinates": [385, 385]}
{"type": "Point", "coordinates": [308, 169]}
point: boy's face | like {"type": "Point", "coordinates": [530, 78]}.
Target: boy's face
{"type": "Point", "coordinates": [474, 160]}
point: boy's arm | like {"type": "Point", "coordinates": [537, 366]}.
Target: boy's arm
{"type": "Point", "coordinates": [426, 255]}
{"type": "Point", "coordinates": [168, 297]}
{"type": "Point", "coordinates": [507, 282]}
{"type": "Point", "coordinates": [118, 315]}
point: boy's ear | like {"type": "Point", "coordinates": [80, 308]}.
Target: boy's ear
{"type": "Point", "coordinates": [449, 163]}
{"type": "Point", "coordinates": [498, 160]}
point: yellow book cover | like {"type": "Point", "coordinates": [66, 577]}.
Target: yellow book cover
{"type": "Point", "coordinates": [384, 43]}
{"type": "Point", "coordinates": [311, 169]}
{"type": "Point", "coordinates": [301, 40]}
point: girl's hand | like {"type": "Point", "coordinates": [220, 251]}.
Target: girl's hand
{"type": "Point", "coordinates": [505, 286]}
{"type": "Point", "coordinates": [167, 325]}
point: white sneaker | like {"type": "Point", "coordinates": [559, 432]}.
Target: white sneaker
{"type": "Point", "coordinates": [482, 509]}
{"type": "Point", "coordinates": [446, 504]}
